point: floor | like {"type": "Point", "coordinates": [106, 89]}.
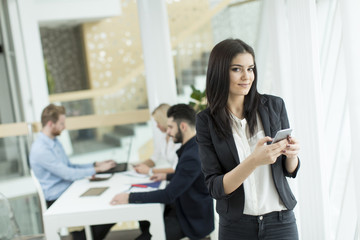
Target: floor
{"type": "Point", "coordinates": [116, 235]}
{"type": "Point", "coordinates": [123, 235]}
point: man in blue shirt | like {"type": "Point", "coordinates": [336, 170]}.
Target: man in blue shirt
{"type": "Point", "coordinates": [189, 210]}
{"type": "Point", "coordinates": [52, 167]}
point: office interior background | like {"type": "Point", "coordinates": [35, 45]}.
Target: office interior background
{"type": "Point", "coordinates": [111, 62]}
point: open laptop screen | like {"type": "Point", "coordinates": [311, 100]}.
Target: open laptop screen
{"type": "Point", "coordinates": [121, 167]}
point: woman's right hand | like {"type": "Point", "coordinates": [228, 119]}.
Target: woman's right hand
{"type": "Point", "coordinates": [264, 154]}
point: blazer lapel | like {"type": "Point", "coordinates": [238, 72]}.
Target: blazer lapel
{"type": "Point", "coordinates": [231, 143]}
{"type": "Point", "coordinates": [265, 119]}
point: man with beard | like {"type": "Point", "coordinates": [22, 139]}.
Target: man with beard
{"type": "Point", "coordinates": [53, 168]}
{"type": "Point", "coordinates": [189, 210]}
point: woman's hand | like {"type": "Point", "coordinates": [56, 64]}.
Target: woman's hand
{"type": "Point", "coordinates": [267, 154]}
{"type": "Point", "coordinates": [291, 152]}
{"type": "Point", "coordinates": [292, 148]}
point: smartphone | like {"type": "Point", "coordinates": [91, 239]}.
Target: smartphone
{"type": "Point", "coordinates": [282, 134]}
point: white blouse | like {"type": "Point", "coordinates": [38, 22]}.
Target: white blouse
{"type": "Point", "coordinates": [261, 196]}
{"type": "Point", "coordinates": [165, 151]}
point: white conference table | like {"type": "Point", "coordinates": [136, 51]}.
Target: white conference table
{"type": "Point", "coordinates": [72, 210]}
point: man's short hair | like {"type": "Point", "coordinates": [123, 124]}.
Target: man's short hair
{"type": "Point", "coordinates": [182, 113]}
{"type": "Point", "coordinates": [159, 114]}
{"type": "Point", "coordinates": [51, 113]}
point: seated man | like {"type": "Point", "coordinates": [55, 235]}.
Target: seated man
{"type": "Point", "coordinates": [164, 146]}
{"type": "Point", "coordinates": [191, 213]}
{"type": "Point", "coordinates": [52, 167]}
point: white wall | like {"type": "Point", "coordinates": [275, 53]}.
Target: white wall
{"type": "Point", "coordinates": [57, 11]}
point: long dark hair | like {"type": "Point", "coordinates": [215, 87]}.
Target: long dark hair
{"type": "Point", "coordinates": [218, 83]}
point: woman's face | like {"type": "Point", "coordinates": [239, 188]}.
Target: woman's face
{"type": "Point", "coordinates": [241, 74]}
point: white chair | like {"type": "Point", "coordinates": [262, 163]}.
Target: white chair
{"type": "Point", "coordinates": [63, 231]}
{"type": "Point", "coordinates": [43, 205]}
{"type": "Point", "coordinates": [9, 229]}
{"type": "Point", "coordinates": [39, 191]}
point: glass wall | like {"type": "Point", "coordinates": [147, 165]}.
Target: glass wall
{"type": "Point", "coordinates": [12, 152]}
{"type": "Point", "coordinates": [195, 29]}
{"type": "Point", "coordinates": [12, 149]}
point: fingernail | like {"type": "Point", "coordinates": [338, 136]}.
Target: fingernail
{"type": "Point", "coordinates": [283, 151]}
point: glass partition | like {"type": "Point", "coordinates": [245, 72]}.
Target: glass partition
{"type": "Point", "coordinates": [122, 143]}
{"type": "Point", "coordinates": [12, 151]}
{"type": "Point", "coordinates": [207, 23]}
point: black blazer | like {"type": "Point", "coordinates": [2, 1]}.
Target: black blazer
{"type": "Point", "coordinates": [194, 206]}
{"type": "Point", "coordinates": [219, 156]}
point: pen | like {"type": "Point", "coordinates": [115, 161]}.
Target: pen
{"type": "Point", "coordinates": [139, 185]}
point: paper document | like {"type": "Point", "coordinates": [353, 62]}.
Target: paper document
{"type": "Point", "coordinates": [145, 187]}
{"type": "Point", "coordinates": [135, 174]}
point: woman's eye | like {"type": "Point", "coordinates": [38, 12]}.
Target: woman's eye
{"type": "Point", "coordinates": [251, 69]}
{"type": "Point", "coordinates": [236, 69]}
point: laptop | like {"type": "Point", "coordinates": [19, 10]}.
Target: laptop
{"type": "Point", "coordinates": [120, 167]}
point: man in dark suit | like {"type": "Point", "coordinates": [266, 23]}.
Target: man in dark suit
{"type": "Point", "coordinates": [189, 209]}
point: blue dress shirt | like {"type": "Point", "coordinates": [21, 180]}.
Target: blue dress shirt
{"type": "Point", "coordinates": [52, 167]}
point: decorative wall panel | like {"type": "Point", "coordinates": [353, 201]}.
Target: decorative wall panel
{"type": "Point", "coordinates": [113, 50]}
{"type": "Point", "coordinates": [63, 52]}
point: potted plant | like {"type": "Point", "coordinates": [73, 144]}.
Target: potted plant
{"type": "Point", "coordinates": [199, 99]}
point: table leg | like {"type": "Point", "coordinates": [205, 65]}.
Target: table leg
{"type": "Point", "coordinates": [88, 232]}
{"type": "Point", "coordinates": [51, 231]}
{"type": "Point", "coordinates": [157, 227]}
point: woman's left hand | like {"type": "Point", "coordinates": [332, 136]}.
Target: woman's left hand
{"type": "Point", "coordinates": [292, 148]}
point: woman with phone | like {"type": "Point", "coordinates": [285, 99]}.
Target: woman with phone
{"type": "Point", "coordinates": [243, 173]}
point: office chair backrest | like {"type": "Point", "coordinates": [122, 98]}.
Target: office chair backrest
{"type": "Point", "coordinates": [8, 226]}
{"type": "Point", "coordinates": [39, 191]}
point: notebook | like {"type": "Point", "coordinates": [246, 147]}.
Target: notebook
{"type": "Point", "coordinates": [147, 185]}
{"type": "Point", "coordinates": [144, 187]}
{"type": "Point", "coordinates": [94, 191]}
{"type": "Point", "coordinates": [120, 167]}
